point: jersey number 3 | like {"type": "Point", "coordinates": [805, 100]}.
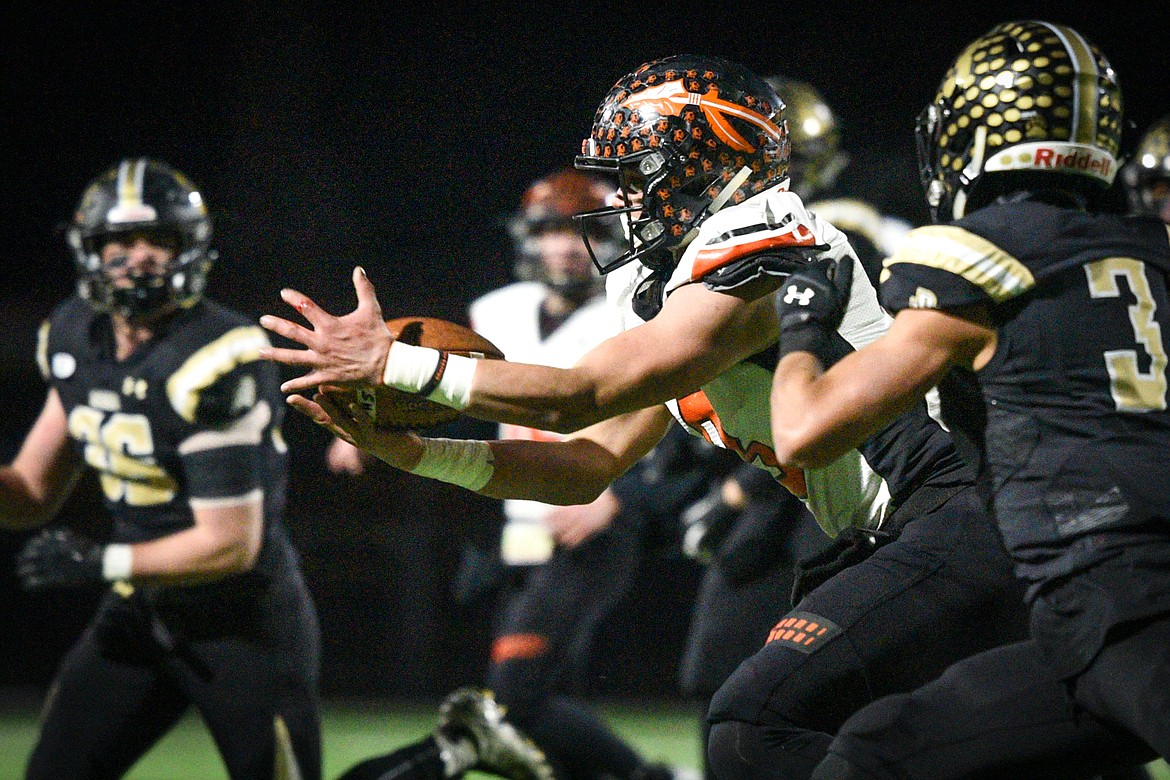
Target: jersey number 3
{"type": "Point", "coordinates": [1133, 390]}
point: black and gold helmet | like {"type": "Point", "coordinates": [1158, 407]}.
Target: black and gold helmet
{"type": "Point", "coordinates": [1147, 175]}
{"type": "Point", "coordinates": [141, 195]}
{"type": "Point", "coordinates": [816, 158]}
{"type": "Point", "coordinates": [689, 134]}
{"type": "Point", "coordinates": [1028, 104]}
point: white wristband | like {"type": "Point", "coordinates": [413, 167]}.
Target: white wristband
{"type": "Point", "coordinates": [415, 369]}
{"type": "Point", "coordinates": [464, 462]}
{"type": "Point", "coordinates": [409, 367]}
{"type": "Point", "coordinates": [117, 562]}
{"type": "Point", "coordinates": [454, 388]}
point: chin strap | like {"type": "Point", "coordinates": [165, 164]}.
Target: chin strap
{"type": "Point", "coordinates": [717, 203]}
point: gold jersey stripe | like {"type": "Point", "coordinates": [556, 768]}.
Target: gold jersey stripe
{"type": "Point", "coordinates": [1084, 64]}
{"type": "Point", "coordinates": [43, 349]}
{"type": "Point", "coordinates": [209, 363]}
{"type": "Point", "coordinates": [965, 254]}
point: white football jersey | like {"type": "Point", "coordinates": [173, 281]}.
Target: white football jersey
{"type": "Point", "coordinates": [510, 318]}
{"type": "Point", "coordinates": [732, 411]}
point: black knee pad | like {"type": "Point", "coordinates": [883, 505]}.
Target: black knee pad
{"type": "Point", "coordinates": [723, 754]}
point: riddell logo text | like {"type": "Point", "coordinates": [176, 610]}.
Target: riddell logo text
{"type": "Point", "coordinates": [1080, 161]}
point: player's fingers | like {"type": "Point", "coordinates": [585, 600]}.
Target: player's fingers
{"type": "Point", "coordinates": [310, 409]}
{"type": "Point", "coordinates": [367, 296]}
{"type": "Point", "coordinates": [306, 382]}
{"type": "Point", "coordinates": [290, 330]}
{"type": "Point", "coordinates": [291, 357]}
{"type": "Point", "coordinates": [318, 414]}
{"type": "Point", "coordinates": [305, 306]}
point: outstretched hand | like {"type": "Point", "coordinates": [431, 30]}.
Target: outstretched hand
{"type": "Point", "coordinates": [401, 449]}
{"type": "Point", "coordinates": [346, 351]}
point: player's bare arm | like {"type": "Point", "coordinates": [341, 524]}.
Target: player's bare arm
{"type": "Point", "coordinates": [573, 471]}
{"type": "Point", "coordinates": [697, 335]}
{"type": "Point", "coordinates": [818, 415]}
{"type": "Point", "coordinates": [224, 540]}
{"type": "Point", "coordinates": [41, 477]}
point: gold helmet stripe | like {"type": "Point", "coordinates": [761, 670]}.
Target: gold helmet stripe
{"type": "Point", "coordinates": [1084, 64]}
{"type": "Point", "coordinates": [130, 175]}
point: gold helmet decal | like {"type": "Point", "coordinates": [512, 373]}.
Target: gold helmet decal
{"type": "Point", "coordinates": [1027, 96]}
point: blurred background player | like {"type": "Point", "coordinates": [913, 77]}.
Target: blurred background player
{"type": "Point", "coordinates": [558, 570]}
{"type": "Point", "coordinates": [161, 392]}
{"type": "Point", "coordinates": [1147, 175]}
{"type": "Point", "coordinates": [815, 166]}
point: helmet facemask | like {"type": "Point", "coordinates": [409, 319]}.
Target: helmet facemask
{"type": "Point", "coordinates": [178, 282]}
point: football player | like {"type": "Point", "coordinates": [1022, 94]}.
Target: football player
{"type": "Point", "coordinates": [699, 147]}
{"type": "Point", "coordinates": [1045, 325]}
{"type": "Point", "coordinates": [1147, 175]}
{"type": "Point", "coordinates": [163, 393]}
{"type": "Point", "coordinates": [815, 168]}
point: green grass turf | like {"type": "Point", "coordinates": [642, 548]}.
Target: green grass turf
{"type": "Point", "coordinates": [352, 732]}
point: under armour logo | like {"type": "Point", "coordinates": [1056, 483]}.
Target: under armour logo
{"type": "Point", "coordinates": [799, 297]}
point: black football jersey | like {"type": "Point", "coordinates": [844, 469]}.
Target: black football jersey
{"type": "Point", "coordinates": [1068, 423]}
{"type": "Point", "coordinates": [191, 419]}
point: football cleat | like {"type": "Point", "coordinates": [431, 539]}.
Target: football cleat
{"type": "Point", "coordinates": [499, 746]}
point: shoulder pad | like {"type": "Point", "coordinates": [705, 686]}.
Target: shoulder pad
{"type": "Point", "coordinates": [941, 266]}
{"type": "Point", "coordinates": [211, 362]}
{"type": "Point", "coordinates": [770, 223]}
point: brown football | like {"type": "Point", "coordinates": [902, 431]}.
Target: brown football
{"type": "Point", "coordinates": [396, 410]}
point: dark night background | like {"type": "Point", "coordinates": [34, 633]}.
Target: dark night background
{"type": "Point", "coordinates": [324, 135]}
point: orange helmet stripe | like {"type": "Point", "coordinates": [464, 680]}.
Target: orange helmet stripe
{"type": "Point", "coordinates": [671, 97]}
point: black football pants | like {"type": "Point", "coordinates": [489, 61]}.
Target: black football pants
{"type": "Point", "coordinates": [248, 662]}
{"type": "Point", "coordinates": [1002, 714]}
{"type": "Point", "coordinates": [940, 592]}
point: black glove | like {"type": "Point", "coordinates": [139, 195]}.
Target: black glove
{"type": "Point", "coordinates": [59, 558]}
{"type": "Point", "coordinates": [811, 303]}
